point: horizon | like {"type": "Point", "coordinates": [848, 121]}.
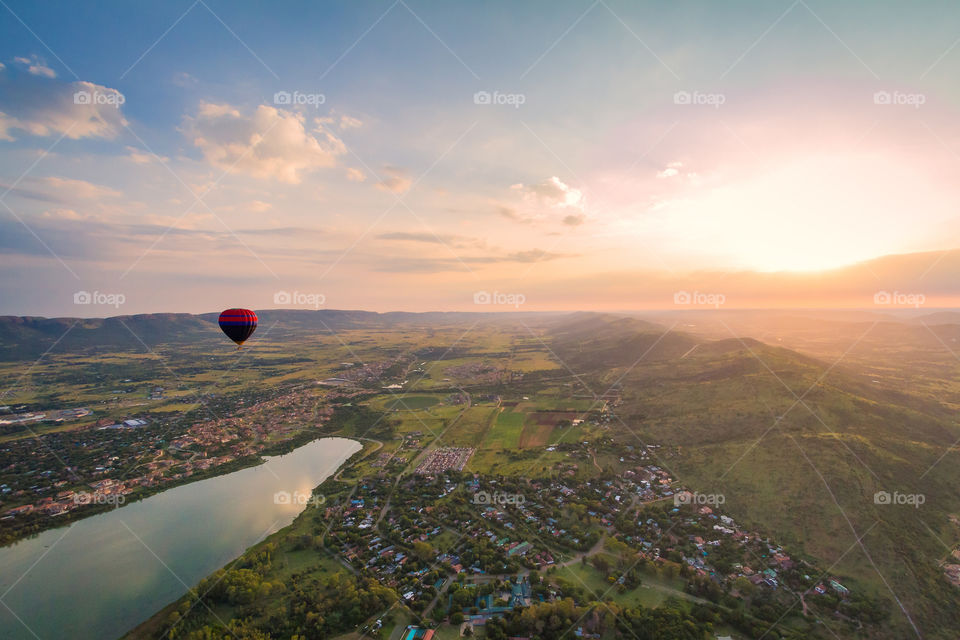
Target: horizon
{"type": "Point", "coordinates": [894, 313]}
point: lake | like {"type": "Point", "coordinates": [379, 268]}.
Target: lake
{"type": "Point", "coordinates": [101, 576]}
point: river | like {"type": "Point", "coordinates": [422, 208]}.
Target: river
{"type": "Point", "coordinates": [101, 576]}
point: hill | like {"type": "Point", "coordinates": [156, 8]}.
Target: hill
{"type": "Point", "coordinates": [800, 447]}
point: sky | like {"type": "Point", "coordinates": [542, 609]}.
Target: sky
{"type": "Point", "coordinates": [189, 156]}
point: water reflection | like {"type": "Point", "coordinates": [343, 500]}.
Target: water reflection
{"type": "Point", "coordinates": [102, 576]}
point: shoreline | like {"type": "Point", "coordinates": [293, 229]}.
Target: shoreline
{"type": "Point", "coordinates": [70, 517]}
{"type": "Point", "coordinates": [148, 627]}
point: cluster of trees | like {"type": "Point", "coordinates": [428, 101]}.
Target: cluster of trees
{"type": "Point", "coordinates": [305, 608]}
{"type": "Point", "coordinates": [551, 620]}
{"type": "Point", "coordinates": [320, 609]}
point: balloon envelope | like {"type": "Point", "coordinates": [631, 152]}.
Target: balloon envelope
{"type": "Point", "coordinates": [238, 324]}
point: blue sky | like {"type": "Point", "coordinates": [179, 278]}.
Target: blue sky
{"type": "Point", "coordinates": [405, 190]}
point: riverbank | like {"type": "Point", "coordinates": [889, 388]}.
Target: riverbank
{"type": "Point", "coordinates": [153, 626]}
{"type": "Point", "coordinates": [31, 525]}
{"type": "Point", "coordinates": [102, 575]}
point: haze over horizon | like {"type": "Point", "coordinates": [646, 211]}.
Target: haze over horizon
{"type": "Point", "coordinates": [604, 156]}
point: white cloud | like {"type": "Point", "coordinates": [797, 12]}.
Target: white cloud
{"type": "Point", "coordinates": [41, 106]}
{"type": "Point", "coordinates": [36, 66]}
{"type": "Point", "coordinates": [549, 200]}
{"type": "Point", "coordinates": [270, 143]}
{"type": "Point", "coordinates": [672, 170]}
{"type": "Point", "coordinates": [552, 192]}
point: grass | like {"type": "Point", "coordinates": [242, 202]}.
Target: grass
{"type": "Point", "coordinates": [594, 583]}
{"type": "Point", "coordinates": [506, 430]}
{"type": "Point", "coordinates": [410, 402]}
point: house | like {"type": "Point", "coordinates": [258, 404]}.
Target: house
{"type": "Point", "coordinates": [839, 588]}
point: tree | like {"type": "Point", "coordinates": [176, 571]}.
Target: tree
{"type": "Point", "coordinates": [423, 551]}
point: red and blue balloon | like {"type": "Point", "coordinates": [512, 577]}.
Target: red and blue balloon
{"type": "Point", "coordinates": [238, 324]}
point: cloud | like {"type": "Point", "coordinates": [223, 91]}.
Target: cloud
{"type": "Point", "coordinates": [355, 175]}
{"type": "Point", "coordinates": [551, 200]}
{"type": "Point", "coordinates": [346, 122]}
{"type": "Point", "coordinates": [450, 240]}
{"type": "Point", "coordinates": [270, 143]}
{"type": "Point", "coordinates": [60, 190]}
{"type": "Point", "coordinates": [38, 104]}
{"type": "Point", "coordinates": [552, 192]}
{"type": "Point", "coordinates": [36, 66]}
{"type": "Point", "coordinates": [415, 237]}
{"type": "Point", "coordinates": [674, 169]}
{"type": "Point", "coordinates": [137, 156]}
{"type": "Point", "coordinates": [396, 181]}
{"type": "Point", "coordinates": [438, 265]}
{"type": "Point", "coordinates": [534, 255]}
{"type": "Point", "coordinates": [508, 212]}
{"type": "Point", "coordinates": [70, 188]}
{"type": "Point", "coordinates": [30, 194]}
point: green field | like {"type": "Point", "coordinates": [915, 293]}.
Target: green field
{"type": "Point", "coordinates": [506, 431]}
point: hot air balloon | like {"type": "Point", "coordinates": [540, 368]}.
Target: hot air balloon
{"type": "Point", "coordinates": [238, 324]}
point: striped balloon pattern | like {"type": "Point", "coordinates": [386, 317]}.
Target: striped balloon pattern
{"type": "Point", "coordinates": [238, 324]}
